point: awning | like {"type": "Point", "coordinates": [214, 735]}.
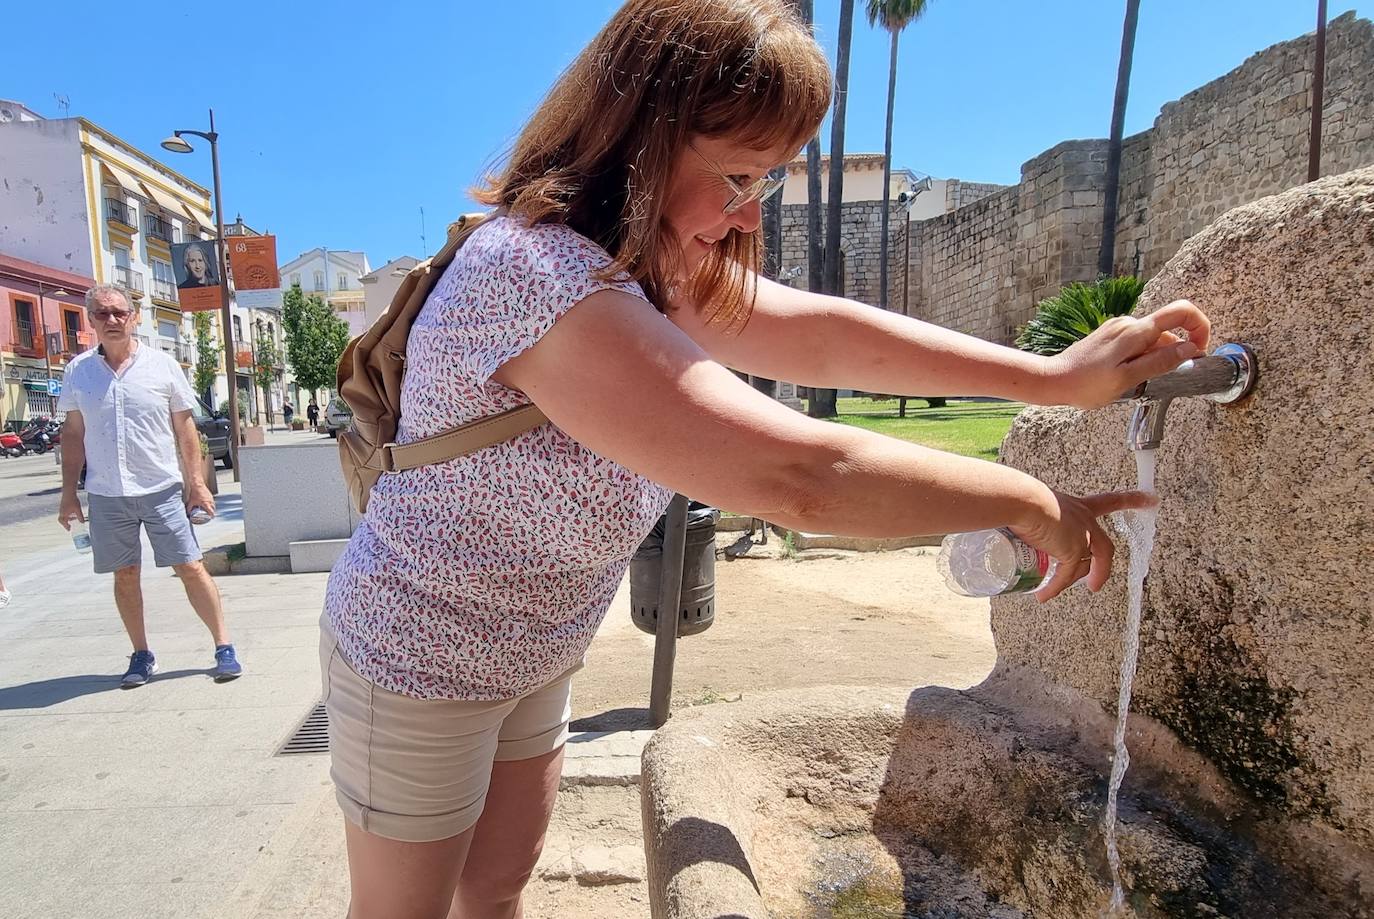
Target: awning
{"type": "Point", "coordinates": [199, 216]}
{"type": "Point", "coordinates": [123, 179]}
{"type": "Point", "coordinates": [165, 201]}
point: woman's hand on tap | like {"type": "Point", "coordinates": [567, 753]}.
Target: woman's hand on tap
{"type": "Point", "coordinates": [1124, 352]}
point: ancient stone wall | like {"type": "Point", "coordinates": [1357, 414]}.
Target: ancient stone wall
{"type": "Point", "coordinates": [981, 269]}
{"type": "Point", "coordinates": [1244, 136]}
{"type": "Point", "coordinates": [983, 266]}
{"type": "Point", "coordinates": [959, 193]}
{"type": "Point", "coordinates": [860, 247]}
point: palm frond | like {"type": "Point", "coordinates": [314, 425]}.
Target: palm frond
{"type": "Point", "coordinates": [895, 15]}
{"type": "Point", "coordinates": [1076, 311]}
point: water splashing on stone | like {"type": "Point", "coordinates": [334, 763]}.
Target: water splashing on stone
{"type": "Point", "coordinates": [1140, 532]}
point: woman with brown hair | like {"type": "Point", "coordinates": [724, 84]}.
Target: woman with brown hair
{"type": "Point", "coordinates": [617, 286]}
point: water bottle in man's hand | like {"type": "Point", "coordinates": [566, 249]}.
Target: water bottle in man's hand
{"type": "Point", "coordinates": [81, 536]}
{"type": "Point", "coordinates": [199, 515]}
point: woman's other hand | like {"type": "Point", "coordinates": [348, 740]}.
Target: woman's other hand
{"type": "Point", "coordinates": [1070, 532]}
{"type": "Point", "coordinates": [1124, 352]}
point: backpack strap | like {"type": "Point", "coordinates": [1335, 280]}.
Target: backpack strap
{"type": "Point", "coordinates": [462, 440]}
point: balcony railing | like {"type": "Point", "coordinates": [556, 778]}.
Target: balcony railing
{"type": "Point", "coordinates": [180, 350]}
{"type": "Point", "coordinates": [157, 227]}
{"type": "Point", "coordinates": [25, 332]}
{"type": "Point", "coordinates": [165, 290]}
{"type": "Point", "coordinates": [127, 278]}
{"type": "Point", "coordinates": [118, 210]}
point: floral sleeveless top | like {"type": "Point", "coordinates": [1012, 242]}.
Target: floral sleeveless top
{"type": "Point", "coordinates": [487, 576]}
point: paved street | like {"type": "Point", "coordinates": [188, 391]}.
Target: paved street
{"type": "Point", "coordinates": [29, 488]}
{"type": "Point", "coordinates": [169, 800]}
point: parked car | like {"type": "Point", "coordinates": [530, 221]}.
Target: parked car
{"type": "Point", "coordinates": [337, 416]}
{"type": "Point", "coordinates": [215, 427]}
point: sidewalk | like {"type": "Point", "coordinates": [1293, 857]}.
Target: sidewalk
{"type": "Point", "coordinates": [164, 800]}
{"type": "Point", "coordinates": [168, 800]}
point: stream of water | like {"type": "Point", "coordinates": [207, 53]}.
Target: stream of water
{"type": "Point", "coordinates": [1140, 533]}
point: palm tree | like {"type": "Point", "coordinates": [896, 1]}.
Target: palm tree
{"type": "Point", "coordinates": [772, 257]}
{"type": "Point", "coordinates": [815, 277]}
{"type": "Point", "coordinates": [893, 15]}
{"type": "Point", "coordinates": [1106, 256]}
{"type": "Point", "coordinates": [1076, 311]}
{"type": "Point", "coordinates": [822, 403]}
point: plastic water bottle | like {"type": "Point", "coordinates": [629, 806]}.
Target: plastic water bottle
{"type": "Point", "coordinates": [199, 515]}
{"type": "Point", "coordinates": [81, 536]}
{"type": "Point", "coordinates": [987, 563]}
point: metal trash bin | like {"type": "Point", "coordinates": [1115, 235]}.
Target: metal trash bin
{"type": "Point", "coordinates": [698, 603]}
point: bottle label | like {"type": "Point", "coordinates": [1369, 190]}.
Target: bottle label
{"type": "Point", "coordinates": [1032, 564]}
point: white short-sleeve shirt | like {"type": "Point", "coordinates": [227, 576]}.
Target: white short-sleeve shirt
{"type": "Point", "coordinates": [130, 447]}
{"type": "Point", "coordinates": [486, 576]}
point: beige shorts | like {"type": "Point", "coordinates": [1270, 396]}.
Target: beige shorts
{"type": "Point", "coordinates": [418, 770]}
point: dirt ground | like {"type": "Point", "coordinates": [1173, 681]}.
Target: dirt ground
{"type": "Point", "coordinates": [782, 621]}
{"type": "Point", "coordinates": [820, 617]}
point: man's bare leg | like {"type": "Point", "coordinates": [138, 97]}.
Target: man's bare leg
{"type": "Point", "coordinates": [128, 594]}
{"type": "Point", "coordinates": [204, 597]}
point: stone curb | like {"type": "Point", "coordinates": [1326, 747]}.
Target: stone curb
{"type": "Point", "coordinates": [603, 758]}
{"type": "Point", "coordinates": [218, 563]}
{"type": "Point", "coordinates": [802, 541]}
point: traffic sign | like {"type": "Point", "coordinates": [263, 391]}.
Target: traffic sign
{"type": "Point", "coordinates": [54, 387]}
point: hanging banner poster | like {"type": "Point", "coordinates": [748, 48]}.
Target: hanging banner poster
{"type": "Point", "coordinates": [198, 281]}
{"type": "Point", "coordinates": [253, 261]}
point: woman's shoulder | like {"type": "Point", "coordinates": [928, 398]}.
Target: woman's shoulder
{"type": "Point", "coordinates": [540, 247]}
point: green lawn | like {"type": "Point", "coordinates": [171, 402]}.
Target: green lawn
{"type": "Point", "coordinates": [968, 428]}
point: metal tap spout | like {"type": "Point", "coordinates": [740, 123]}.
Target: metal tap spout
{"type": "Point", "coordinates": [1226, 375]}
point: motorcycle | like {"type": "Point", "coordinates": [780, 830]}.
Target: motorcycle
{"type": "Point", "coordinates": [40, 435]}
{"type": "Point", "coordinates": [11, 444]}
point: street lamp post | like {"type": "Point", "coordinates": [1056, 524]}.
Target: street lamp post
{"type": "Point", "coordinates": [175, 144]}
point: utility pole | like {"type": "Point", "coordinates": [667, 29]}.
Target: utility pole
{"type": "Point", "coordinates": [1314, 150]}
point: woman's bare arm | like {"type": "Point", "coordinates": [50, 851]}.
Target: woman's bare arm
{"type": "Point", "coordinates": [625, 382]}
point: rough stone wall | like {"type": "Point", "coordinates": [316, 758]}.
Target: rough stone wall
{"type": "Point", "coordinates": [1259, 615]}
{"type": "Point", "coordinates": [959, 193]}
{"type": "Point", "coordinates": [860, 246]}
{"type": "Point", "coordinates": [983, 266]}
{"type": "Point", "coordinates": [1244, 136]}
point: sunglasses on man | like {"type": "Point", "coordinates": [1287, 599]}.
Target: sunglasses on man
{"type": "Point", "coordinates": [110, 315]}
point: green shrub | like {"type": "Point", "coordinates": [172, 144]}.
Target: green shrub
{"type": "Point", "coordinates": [1076, 311]}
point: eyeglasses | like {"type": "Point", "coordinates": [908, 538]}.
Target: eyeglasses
{"type": "Point", "coordinates": [759, 190]}
{"type": "Point", "coordinates": [110, 315]}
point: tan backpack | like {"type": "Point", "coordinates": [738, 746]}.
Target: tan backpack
{"type": "Point", "coordinates": [370, 375]}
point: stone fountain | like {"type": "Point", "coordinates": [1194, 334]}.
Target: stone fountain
{"type": "Point", "coordinates": [1251, 786]}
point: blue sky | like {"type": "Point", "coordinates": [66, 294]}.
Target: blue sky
{"type": "Point", "coordinates": [340, 121]}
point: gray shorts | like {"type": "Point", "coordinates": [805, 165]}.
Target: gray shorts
{"type": "Point", "coordinates": [115, 522]}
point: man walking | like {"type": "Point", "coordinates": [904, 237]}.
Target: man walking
{"type": "Point", "coordinates": [128, 417]}
{"type": "Point", "coordinates": [312, 413]}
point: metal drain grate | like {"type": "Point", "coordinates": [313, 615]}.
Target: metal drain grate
{"type": "Point", "coordinates": [311, 737]}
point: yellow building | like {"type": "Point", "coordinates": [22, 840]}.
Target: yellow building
{"type": "Point", "coordinates": [93, 204]}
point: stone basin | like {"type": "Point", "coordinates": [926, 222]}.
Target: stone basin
{"type": "Point", "coordinates": [1251, 783]}
{"type": "Point", "coordinates": [883, 804]}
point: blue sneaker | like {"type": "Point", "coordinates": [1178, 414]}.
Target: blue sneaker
{"type": "Point", "coordinates": [227, 666]}
{"type": "Point", "coordinates": [142, 666]}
